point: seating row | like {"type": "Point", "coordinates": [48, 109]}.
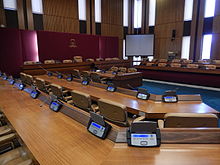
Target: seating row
{"type": "Point", "coordinates": [75, 59]}
{"type": "Point", "coordinates": [12, 150]}
{"type": "Point", "coordinates": [116, 112]}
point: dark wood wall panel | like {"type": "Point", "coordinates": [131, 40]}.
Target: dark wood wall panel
{"type": "Point", "coordinates": [112, 20]}
{"type": "Point", "coordinates": [216, 33]}
{"type": "Point", "coordinates": [169, 17]}
{"type": "Point", "coordinates": [61, 16]}
{"type": "Point", "coordinates": [2, 14]}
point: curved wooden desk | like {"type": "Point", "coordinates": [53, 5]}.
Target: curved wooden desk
{"type": "Point", "coordinates": [55, 139]}
{"type": "Point", "coordinates": [135, 105]}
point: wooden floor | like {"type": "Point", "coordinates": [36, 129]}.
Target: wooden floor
{"type": "Point", "coordinates": [55, 139]}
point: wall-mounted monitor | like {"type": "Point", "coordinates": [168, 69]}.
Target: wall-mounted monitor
{"type": "Point", "coordinates": [139, 45]}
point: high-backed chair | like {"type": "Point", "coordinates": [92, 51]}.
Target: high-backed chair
{"type": "Point", "coordinates": [67, 61]}
{"type": "Point", "coordinates": [23, 77]}
{"type": "Point", "coordinates": [61, 93]}
{"type": "Point", "coordinates": [95, 77]}
{"type": "Point", "coordinates": [187, 61]}
{"type": "Point", "coordinates": [113, 69]}
{"type": "Point", "coordinates": [162, 64]}
{"type": "Point", "coordinates": [149, 64]}
{"type": "Point", "coordinates": [99, 59]}
{"type": "Point", "coordinates": [115, 58]}
{"type": "Point", "coordinates": [90, 60]}
{"type": "Point", "coordinates": [113, 112]}
{"type": "Point", "coordinates": [216, 61]}
{"type": "Point", "coordinates": [42, 85]}
{"type": "Point", "coordinates": [195, 66]}
{"type": "Point", "coordinates": [122, 69]}
{"type": "Point", "coordinates": [154, 60]}
{"type": "Point", "coordinates": [130, 70]}
{"type": "Point", "coordinates": [188, 120]}
{"type": "Point", "coordinates": [163, 60]}
{"type": "Point", "coordinates": [49, 62]}
{"type": "Point", "coordinates": [210, 66]}
{"type": "Point", "coordinates": [76, 73]}
{"type": "Point", "coordinates": [31, 62]}
{"type": "Point", "coordinates": [78, 59]}
{"type": "Point", "coordinates": [108, 59]}
{"type": "Point", "coordinates": [29, 79]}
{"type": "Point", "coordinates": [176, 60]}
{"type": "Point", "coordinates": [85, 74]}
{"type": "Point", "coordinates": [175, 65]}
{"type": "Point", "coordinates": [16, 156]}
{"type": "Point", "coordinates": [83, 101]}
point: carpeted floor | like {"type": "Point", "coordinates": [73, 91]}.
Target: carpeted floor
{"type": "Point", "coordinates": [209, 97]}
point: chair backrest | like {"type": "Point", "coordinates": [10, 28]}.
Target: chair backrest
{"type": "Point", "coordinates": [122, 69]}
{"type": "Point", "coordinates": [41, 84]}
{"type": "Point", "coordinates": [162, 64]}
{"type": "Point", "coordinates": [175, 65]}
{"type": "Point", "coordinates": [190, 120]}
{"type": "Point", "coordinates": [149, 64]}
{"type": "Point", "coordinates": [23, 77]}
{"type": "Point", "coordinates": [130, 70]}
{"type": "Point", "coordinates": [187, 61]}
{"type": "Point", "coordinates": [113, 112]}
{"type": "Point", "coordinates": [95, 77]}
{"type": "Point", "coordinates": [85, 74]}
{"type": "Point", "coordinates": [81, 100]}
{"type": "Point", "coordinates": [57, 90]}
{"type": "Point", "coordinates": [30, 62]}
{"type": "Point", "coordinates": [67, 61]}
{"type": "Point", "coordinates": [90, 60]}
{"type": "Point", "coordinates": [76, 73]}
{"type": "Point", "coordinates": [113, 69]}
{"type": "Point", "coordinates": [108, 59]}
{"type": "Point", "coordinates": [163, 60]}
{"type": "Point", "coordinates": [175, 60]}
{"type": "Point", "coordinates": [99, 59]}
{"type": "Point", "coordinates": [210, 66]}
{"type": "Point", "coordinates": [49, 62]}
{"type": "Point", "coordinates": [202, 61]}
{"type": "Point", "coordinates": [29, 79]}
{"type": "Point", "coordinates": [115, 58]}
{"type": "Point", "coordinates": [216, 61]}
{"type": "Point", "coordinates": [78, 58]}
{"type": "Point", "coordinates": [154, 60]}
{"type": "Point", "coordinates": [192, 66]}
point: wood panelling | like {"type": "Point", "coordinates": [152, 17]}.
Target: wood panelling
{"type": "Point", "coordinates": [112, 20]}
{"type": "Point", "coordinates": [29, 15]}
{"type": "Point", "coordinates": [61, 16]}
{"type": "Point", "coordinates": [216, 30]}
{"type": "Point", "coordinates": [169, 17]}
{"type": "Point", "coordinates": [20, 11]}
{"type": "Point", "coordinates": [2, 14]}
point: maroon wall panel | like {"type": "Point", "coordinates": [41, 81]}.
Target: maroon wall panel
{"type": "Point", "coordinates": [10, 51]}
{"type": "Point", "coordinates": [29, 45]}
{"type": "Point", "coordinates": [60, 46]}
{"type": "Point", "coordinates": [108, 47]}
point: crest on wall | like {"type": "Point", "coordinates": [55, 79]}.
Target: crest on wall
{"type": "Point", "coordinates": [72, 43]}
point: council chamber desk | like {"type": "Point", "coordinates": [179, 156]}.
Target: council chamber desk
{"type": "Point", "coordinates": [55, 139]}
{"type": "Point", "coordinates": [202, 77]}
{"type": "Point", "coordinates": [134, 105]}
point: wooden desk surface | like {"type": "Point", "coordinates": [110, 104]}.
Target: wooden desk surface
{"type": "Point", "coordinates": [131, 102]}
{"type": "Point", "coordinates": [55, 139]}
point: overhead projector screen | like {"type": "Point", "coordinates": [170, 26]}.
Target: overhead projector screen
{"type": "Point", "coordinates": [139, 45]}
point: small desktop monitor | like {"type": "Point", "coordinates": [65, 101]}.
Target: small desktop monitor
{"type": "Point", "coordinates": [170, 97]}
{"type": "Point", "coordinates": [111, 87]}
{"type": "Point", "coordinates": [49, 73]}
{"type": "Point", "coordinates": [59, 76]}
{"type": "Point", "coordinates": [85, 81]}
{"type": "Point", "coordinates": [143, 94]}
{"type": "Point", "coordinates": [69, 78]}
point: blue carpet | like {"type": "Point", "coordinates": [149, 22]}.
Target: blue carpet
{"type": "Point", "coordinates": [209, 97]}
